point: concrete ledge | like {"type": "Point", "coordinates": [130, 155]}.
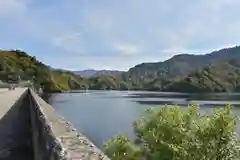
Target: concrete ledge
{"type": "Point", "coordinates": [15, 126]}
{"type": "Point", "coordinates": [55, 138]}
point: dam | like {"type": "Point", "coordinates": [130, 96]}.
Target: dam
{"type": "Point", "coordinates": [30, 129]}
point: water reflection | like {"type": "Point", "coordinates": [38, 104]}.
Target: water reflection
{"type": "Point", "coordinates": [46, 97]}
{"type": "Point", "coordinates": [101, 115]}
{"type": "Point", "coordinates": [220, 99]}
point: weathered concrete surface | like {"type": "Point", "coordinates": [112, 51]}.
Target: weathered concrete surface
{"type": "Point", "coordinates": [9, 98]}
{"type": "Point", "coordinates": [30, 129]}
{"type": "Point", "coordinates": [61, 137]}
{"type": "Point", "coordinates": [15, 126]}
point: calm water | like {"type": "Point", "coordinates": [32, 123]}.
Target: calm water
{"type": "Point", "coordinates": [100, 115]}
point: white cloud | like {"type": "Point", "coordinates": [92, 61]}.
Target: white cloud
{"type": "Point", "coordinates": [12, 6]}
{"type": "Point", "coordinates": [104, 62]}
{"type": "Point", "coordinates": [70, 42]}
{"type": "Point", "coordinates": [127, 49]}
{"type": "Point", "coordinates": [200, 26]}
{"type": "Point", "coordinates": [66, 38]}
{"type": "Point", "coordinates": [141, 29]}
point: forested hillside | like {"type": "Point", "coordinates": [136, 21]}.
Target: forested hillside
{"type": "Point", "coordinates": [20, 64]}
{"type": "Point", "coordinates": [96, 73]}
{"type": "Point", "coordinates": [221, 77]}
{"type": "Point", "coordinates": [177, 66]}
{"type": "Point", "coordinates": [107, 83]}
{"type": "Point", "coordinates": [215, 72]}
{"type": "Point", "coordinates": [28, 68]}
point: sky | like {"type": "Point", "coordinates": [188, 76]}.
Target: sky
{"type": "Point", "coordinates": [116, 34]}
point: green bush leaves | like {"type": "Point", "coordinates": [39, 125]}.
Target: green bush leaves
{"type": "Point", "coordinates": [173, 133]}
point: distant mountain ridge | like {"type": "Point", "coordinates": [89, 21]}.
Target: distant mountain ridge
{"type": "Point", "coordinates": [179, 65]}
{"type": "Point", "coordinates": [218, 71]}
{"type": "Point", "coordinates": [220, 77]}
{"type": "Point", "coordinates": [183, 72]}
{"type": "Point", "coordinates": [95, 73]}
{"type": "Point", "coordinates": [20, 64]}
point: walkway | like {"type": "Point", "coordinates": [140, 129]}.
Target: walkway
{"type": "Point", "coordinates": [15, 126]}
{"type": "Point", "coordinates": [8, 98]}
{"type": "Point", "coordinates": [31, 129]}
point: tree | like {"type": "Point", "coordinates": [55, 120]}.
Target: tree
{"type": "Point", "coordinates": [171, 133]}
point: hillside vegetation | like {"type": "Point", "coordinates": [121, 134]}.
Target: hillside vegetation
{"type": "Point", "coordinates": [19, 63]}
{"type": "Point", "coordinates": [221, 77]}
{"type": "Point", "coordinates": [173, 133]}
{"type": "Point", "coordinates": [28, 68]}
{"type": "Point", "coordinates": [218, 71]}
{"type": "Point", "coordinates": [97, 73]}
{"type": "Point", "coordinates": [107, 83]}
{"type": "Point", "coordinates": [178, 66]}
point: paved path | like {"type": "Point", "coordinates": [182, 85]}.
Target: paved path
{"type": "Point", "coordinates": [79, 147]}
{"type": "Point", "coordinates": [8, 99]}
{"type": "Point", "coordinates": [15, 125]}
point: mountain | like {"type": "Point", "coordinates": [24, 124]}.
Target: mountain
{"type": "Point", "coordinates": [218, 71]}
{"type": "Point", "coordinates": [95, 73]}
{"type": "Point", "coordinates": [85, 73]}
{"type": "Point", "coordinates": [20, 64]}
{"type": "Point", "coordinates": [107, 83]}
{"type": "Point", "coordinates": [178, 66]}
{"type": "Point", "coordinates": [110, 73]}
{"type": "Point", "coordinates": [15, 64]}
{"type": "Point", "coordinates": [220, 77]}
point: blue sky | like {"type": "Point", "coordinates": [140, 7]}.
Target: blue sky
{"type": "Point", "coordinates": [116, 34]}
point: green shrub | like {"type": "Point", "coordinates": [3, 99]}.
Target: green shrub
{"type": "Point", "coordinates": [172, 133]}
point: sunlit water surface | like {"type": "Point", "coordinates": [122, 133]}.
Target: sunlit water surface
{"type": "Point", "coordinates": [101, 115]}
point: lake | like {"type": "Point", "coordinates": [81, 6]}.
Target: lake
{"type": "Point", "coordinates": [100, 115]}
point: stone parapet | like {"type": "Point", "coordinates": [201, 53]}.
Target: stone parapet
{"type": "Point", "coordinates": [55, 138]}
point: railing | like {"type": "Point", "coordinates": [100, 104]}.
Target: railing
{"type": "Point", "coordinates": [4, 85]}
{"type": "Point", "coordinates": [22, 84]}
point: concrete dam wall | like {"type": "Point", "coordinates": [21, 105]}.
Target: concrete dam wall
{"type": "Point", "coordinates": [15, 130]}
{"type": "Point", "coordinates": [30, 129]}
